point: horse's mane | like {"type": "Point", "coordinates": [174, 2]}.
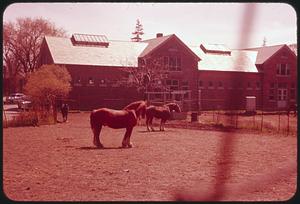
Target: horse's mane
{"type": "Point", "coordinates": [141, 109]}
{"type": "Point", "coordinates": [134, 104]}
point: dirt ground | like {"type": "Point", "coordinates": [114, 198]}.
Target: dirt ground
{"type": "Point", "coordinates": [60, 163]}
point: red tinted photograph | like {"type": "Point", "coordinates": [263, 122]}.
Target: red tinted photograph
{"type": "Point", "coordinates": [149, 102]}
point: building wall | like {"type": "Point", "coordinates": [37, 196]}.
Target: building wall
{"type": "Point", "coordinates": [273, 81]}
{"type": "Point", "coordinates": [100, 87]}
{"type": "Point", "coordinates": [186, 74]}
{"type": "Point", "coordinates": [228, 90]}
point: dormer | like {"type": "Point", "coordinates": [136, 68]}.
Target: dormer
{"type": "Point", "coordinates": [89, 40]}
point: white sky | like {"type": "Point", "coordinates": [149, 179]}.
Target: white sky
{"type": "Point", "coordinates": [193, 23]}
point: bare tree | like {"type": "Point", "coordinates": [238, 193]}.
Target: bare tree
{"type": "Point", "coordinates": [21, 44]}
{"type": "Point", "coordinates": [150, 75]}
{"type": "Point", "coordinates": [11, 65]}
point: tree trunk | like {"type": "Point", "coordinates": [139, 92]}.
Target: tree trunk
{"type": "Point", "coordinates": [54, 111]}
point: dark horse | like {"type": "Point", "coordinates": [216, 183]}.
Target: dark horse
{"type": "Point", "coordinates": [116, 119]}
{"type": "Point", "coordinates": [161, 112]}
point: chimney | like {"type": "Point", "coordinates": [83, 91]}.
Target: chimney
{"type": "Point", "coordinates": [158, 35]}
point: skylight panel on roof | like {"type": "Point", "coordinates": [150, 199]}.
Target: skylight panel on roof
{"type": "Point", "coordinates": [215, 49]}
{"type": "Point", "coordinates": [89, 40]}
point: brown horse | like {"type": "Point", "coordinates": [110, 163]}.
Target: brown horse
{"type": "Point", "coordinates": [116, 119]}
{"type": "Point", "coordinates": [135, 105]}
{"type": "Point", "coordinates": [161, 112]}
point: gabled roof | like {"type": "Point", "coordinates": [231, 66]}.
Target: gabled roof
{"type": "Point", "coordinates": [264, 53]}
{"type": "Point", "coordinates": [118, 53]}
{"type": "Point", "coordinates": [237, 61]}
{"type": "Point", "coordinates": [294, 48]}
{"type": "Point", "coordinates": [156, 43]}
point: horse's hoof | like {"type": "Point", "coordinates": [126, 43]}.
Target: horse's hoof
{"type": "Point", "coordinates": [130, 145]}
{"type": "Point", "coordinates": [100, 146]}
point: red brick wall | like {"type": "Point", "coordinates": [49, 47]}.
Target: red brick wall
{"type": "Point", "coordinates": [88, 97]}
{"type": "Point", "coordinates": [232, 94]}
{"type": "Point", "coordinates": [270, 76]}
{"type": "Point", "coordinates": [189, 66]}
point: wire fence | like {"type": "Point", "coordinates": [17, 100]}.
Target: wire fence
{"type": "Point", "coordinates": [218, 191]}
{"type": "Point", "coordinates": [280, 122]}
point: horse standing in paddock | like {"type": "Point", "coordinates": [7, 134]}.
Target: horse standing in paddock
{"type": "Point", "coordinates": [161, 112]}
{"type": "Point", "coordinates": [135, 105]}
{"type": "Point", "coordinates": [116, 119]}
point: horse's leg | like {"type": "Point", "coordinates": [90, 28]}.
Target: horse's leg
{"type": "Point", "coordinates": [163, 122]}
{"type": "Point", "coordinates": [129, 130]}
{"type": "Point", "coordinates": [147, 122]}
{"type": "Point", "coordinates": [139, 120]}
{"type": "Point", "coordinates": [126, 139]}
{"type": "Point", "coordinates": [96, 131]}
{"type": "Point", "coordinates": [151, 124]}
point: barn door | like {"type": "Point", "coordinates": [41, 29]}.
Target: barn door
{"type": "Point", "coordinates": [282, 98]}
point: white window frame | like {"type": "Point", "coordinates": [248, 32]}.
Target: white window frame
{"type": "Point", "coordinates": [283, 69]}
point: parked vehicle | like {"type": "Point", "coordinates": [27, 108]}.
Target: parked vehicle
{"type": "Point", "coordinates": [25, 103]}
{"type": "Point", "coordinates": [15, 97]}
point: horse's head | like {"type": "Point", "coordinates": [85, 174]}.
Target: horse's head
{"type": "Point", "coordinates": [141, 110]}
{"type": "Point", "coordinates": [174, 107]}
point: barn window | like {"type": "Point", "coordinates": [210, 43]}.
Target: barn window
{"type": "Point", "coordinates": [185, 85]}
{"type": "Point", "coordinates": [78, 81]}
{"type": "Point", "coordinates": [210, 85]}
{"type": "Point", "coordinates": [166, 62]}
{"type": "Point", "coordinates": [200, 84]}
{"type": "Point", "coordinates": [102, 83]}
{"type": "Point", "coordinates": [89, 40]}
{"type": "Point", "coordinates": [174, 63]}
{"type": "Point", "coordinates": [272, 91]}
{"type": "Point", "coordinates": [257, 85]}
{"type": "Point", "coordinates": [91, 81]}
{"type": "Point", "coordinates": [283, 69]}
{"type": "Point", "coordinates": [172, 84]}
{"type": "Point", "coordinates": [220, 85]}
{"type": "Point", "coordinates": [249, 87]}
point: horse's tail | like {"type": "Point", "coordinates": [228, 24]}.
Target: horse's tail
{"type": "Point", "coordinates": [92, 120]}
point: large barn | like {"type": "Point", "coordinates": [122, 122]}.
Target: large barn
{"type": "Point", "coordinates": [204, 77]}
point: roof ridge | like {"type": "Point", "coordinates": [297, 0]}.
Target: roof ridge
{"type": "Point", "coordinates": [165, 36]}
{"type": "Point", "coordinates": [280, 45]}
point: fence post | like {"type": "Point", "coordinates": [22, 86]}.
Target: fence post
{"type": "Point", "coordinates": [278, 121]}
{"type": "Point", "coordinates": [288, 123]}
{"type": "Point", "coordinates": [236, 120]}
{"type": "Point", "coordinates": [5, 119]}
{"type": "Point", "coordinates": [262, 120]}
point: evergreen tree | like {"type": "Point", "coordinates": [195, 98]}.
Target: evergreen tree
{"type": "Point", "coordinates": [138, 32]}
